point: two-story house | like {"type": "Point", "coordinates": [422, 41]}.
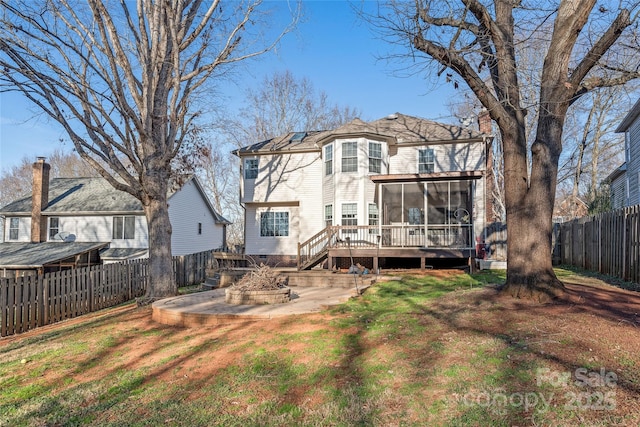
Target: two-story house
{"type": "Point", "coordinates": [625, 180]}
{"type": "Point", "coordinates": [395, 191]}
{"type": "Point", "coordinates": [72, 222]}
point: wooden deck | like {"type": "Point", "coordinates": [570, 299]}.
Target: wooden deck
{"type": "Point", "coordinates": [378, 242]}
{"type": "Point", "coordinates": [376, 254]}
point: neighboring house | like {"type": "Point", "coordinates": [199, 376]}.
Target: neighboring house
{"type": "Point", "coordinates": [398, 190]}
{"type": "Point", "coordinates": [568, 208]}
{"type": "Point", "coordinates": [625, 181]}
{"type": "Point", "coordinates": [73, 222]}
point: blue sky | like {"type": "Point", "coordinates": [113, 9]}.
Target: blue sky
{"type": "Point", "coordinates": [331, 47]}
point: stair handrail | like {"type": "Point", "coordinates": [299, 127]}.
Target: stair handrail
{"type": "Point", "coordinates": [309, 248]}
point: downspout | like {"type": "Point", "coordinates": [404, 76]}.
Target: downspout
{"type": "Point", "coordinates": [486, 196]}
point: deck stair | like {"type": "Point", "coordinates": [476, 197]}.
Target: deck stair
{"type": "Point", "coordinates": [316, 249]}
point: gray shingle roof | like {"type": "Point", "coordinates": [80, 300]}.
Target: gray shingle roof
{"type": "Point", "coordinates": [398, 128]}
{"type": "Point", "coordinates": [80, 195]}
{"type": "Point", "coordinates": [91, 196]}
{"type": "Point", "coordinates": [15, 255]}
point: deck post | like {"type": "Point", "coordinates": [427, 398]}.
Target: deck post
{"type": "Point", "coordinates": [375, 265]}
{"type": "Point", "coordinates": [423, 262]}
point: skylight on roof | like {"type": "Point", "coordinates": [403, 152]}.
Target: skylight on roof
{"type": "Point", "coordinates": [298, 137]}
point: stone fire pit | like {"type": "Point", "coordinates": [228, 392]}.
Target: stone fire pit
{"type": "Point", "coordinates": [240, 297]}
{"type": "Point", "coordinates": [261, 286]}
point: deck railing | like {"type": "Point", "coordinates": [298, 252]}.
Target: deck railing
{"type": "Point", "coordinates": [435, 236]}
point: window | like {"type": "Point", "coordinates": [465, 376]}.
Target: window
{"type": "Point", "coordinates": [375, 157]}
{"type": "Point", "coordinates": [350, 157]}
{"type": "Point", "coordinates": [328, 160]}
{"type": "Point", "coordinates": [250, 168]}
{"type": "Point", "coordinates": [274, 224]}
{"type": "Point", "coordinates": [124, 227]}
{"type": "Point", "coordinates": [199, 228]}
{"type": "Point", "coordinates": [425, 160]}
{"type": "Point", "coordinates": [328, 215]}
{"type": "Point", "coordinates": [350, 216]}
{"type": "Point", "coordinates": [54, 227]}
{"type": "Point", "coordinates": [14, 227]}
{"type": "Point", "coordinates": [373, 217]}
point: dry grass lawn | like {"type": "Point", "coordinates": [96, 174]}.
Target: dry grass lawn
{"type": "Point", "coordinates": [437, 349]}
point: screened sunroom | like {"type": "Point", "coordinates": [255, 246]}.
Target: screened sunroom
{"type": "Point", "coordinates": [431, 214]}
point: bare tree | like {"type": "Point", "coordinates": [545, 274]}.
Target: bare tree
{"type": "Point", "coordinates": [593, 148]}
{"type": "Point", "coordinates": [219, 176]}
{"type": "Point", "coordinates": [476, 41]}
{"type": "Point", "coordinates": [123, 79]}
{"type": "Point", "coordinates": [16, 182]}
{"type": "Point", "coordinates": [282, 103]}
{"type": "Point", "coordinates": [285, 103]}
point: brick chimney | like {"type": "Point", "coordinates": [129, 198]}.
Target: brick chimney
{"type": "Point", "coordinates": [39, 200]}
{"type": "Point", "coordinates": [484, 121]}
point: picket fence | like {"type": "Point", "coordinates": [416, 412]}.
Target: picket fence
{"type": "Point", "coordinates": [608, 243]}
{"type": "Point", "coordinates": [37, 300]}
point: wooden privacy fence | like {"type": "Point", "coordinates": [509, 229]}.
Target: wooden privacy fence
{"type": "Point", "coordinates": [608, 243]}
{"type": "Point", "coordinates": [38, 300]}
{"type": "Point", "coordinates": [191, 269]}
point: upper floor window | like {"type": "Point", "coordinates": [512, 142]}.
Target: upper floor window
{"type": "Point", "coordinates": [14, 227]}
{"type": "Point", "coordinates": [328, 160]}
{"type": "Point", "coordinates": [250, 168]}
{"type": "Point", "coordinates": [274, 224]}
{"type": "Point", "coordinates": [350, 157]}
{"type": "Point", "coordinates": [426, 160]}
{"type": "Point", "coordinates": [124, 227]}
{"type": "Point", "coordinates": [375, 157]}
{"type": "Point", "coordinates": [54, 227]}
{"type": "Point", "coordinates": [328, 215]}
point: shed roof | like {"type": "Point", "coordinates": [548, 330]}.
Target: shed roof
{"type": "Point", "coordinates": [122, 253]}
{"type": "Point", "coordinates": [36, 255]}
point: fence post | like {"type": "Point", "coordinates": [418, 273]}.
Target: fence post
{"type": "Point", "coordinates": [4, 288]}
{"type": "Point", "coordinates": [129, 281]}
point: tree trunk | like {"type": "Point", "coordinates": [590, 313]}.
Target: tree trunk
{"type": "Point", "coordinates": [529, 269]}
{"type": "Point", "coordinates": [161, 277]}
{"type": "Point", "coordinates": [529, 214]}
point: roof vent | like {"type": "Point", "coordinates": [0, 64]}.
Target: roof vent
{"type": "Point", "coordinates": [393, 116]}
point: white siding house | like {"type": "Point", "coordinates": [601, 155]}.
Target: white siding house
{"type": "Point", "coordinates": [399, 187]}
{"type": "Point", "coordinates": [89, 212]}
{"type": "Point", "coordinates": [625, 181]}
{"type": "Point", "coordinates": [197, 227]}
